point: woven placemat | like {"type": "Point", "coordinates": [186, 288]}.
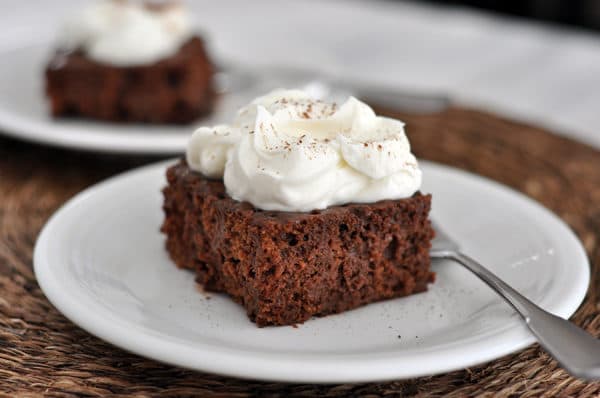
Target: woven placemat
{"type": "Point", "coordinates": [41, 352]}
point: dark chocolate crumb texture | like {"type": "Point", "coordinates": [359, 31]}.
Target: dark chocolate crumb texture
{"type": "Point", "coordinates": [286, 267]}
{"type": "Point", "coordinates": [176, 90]}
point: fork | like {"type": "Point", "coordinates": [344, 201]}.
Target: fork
{"type": "Point", "coordinates": [575, 350]}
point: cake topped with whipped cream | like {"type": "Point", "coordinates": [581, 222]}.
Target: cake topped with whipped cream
{"type": "Point", "coordinates": [128, 32]}
{"type": "Point", "coordinates": [287, 151]}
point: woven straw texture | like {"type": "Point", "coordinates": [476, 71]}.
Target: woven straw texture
{"type": "Point", "coordinates": [42, 353]}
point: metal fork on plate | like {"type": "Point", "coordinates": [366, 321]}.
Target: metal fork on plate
{"type": "Point", "coordinates": [574, 349]}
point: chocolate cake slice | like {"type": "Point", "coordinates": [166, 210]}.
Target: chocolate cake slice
{"type": "Point", "coordinates": [285, 267]}
{"type": "Point", "coordinates": [176, 90]}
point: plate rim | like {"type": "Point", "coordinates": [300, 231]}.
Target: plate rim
{"type": "Point", "coordinates": [271, 366]}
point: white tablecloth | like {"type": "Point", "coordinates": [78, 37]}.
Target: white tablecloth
{"type": "Point", "coordinates": [545, 74]}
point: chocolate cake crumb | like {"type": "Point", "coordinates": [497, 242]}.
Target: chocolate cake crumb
{"type": "Point", "coordinates": [286, 267]}
{"type": "Point", "coordinates": [176, 90]}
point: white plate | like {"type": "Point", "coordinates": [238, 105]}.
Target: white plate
{"type": "Point", "coordinates": [24, 112]}
{"type": "Point", "coordinates": [101, 261]}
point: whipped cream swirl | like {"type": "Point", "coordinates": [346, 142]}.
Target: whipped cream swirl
{"type": "Point", "coordinates": [128, 32]}
{"type": "Point", "coordinates": [286, 151]}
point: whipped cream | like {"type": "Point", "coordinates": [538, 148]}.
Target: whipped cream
{"type": "Point", "coordinates": [286, 151]}
{"type": "Point", "coordinates": [127, 32]}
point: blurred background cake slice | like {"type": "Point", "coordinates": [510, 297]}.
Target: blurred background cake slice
{"type": "Point", "coordinates": [128, 61]}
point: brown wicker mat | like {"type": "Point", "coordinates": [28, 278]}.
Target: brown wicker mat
{"type": "Point", "coordinates": [41, 352]}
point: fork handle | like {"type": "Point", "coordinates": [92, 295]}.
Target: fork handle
{"type": "Point", "coordinates": [576, 350]}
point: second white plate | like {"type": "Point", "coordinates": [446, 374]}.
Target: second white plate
{"type": "Point", "coordinates": [101, 261]}
{"type": "Point", "coordinates": [24, 112]}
